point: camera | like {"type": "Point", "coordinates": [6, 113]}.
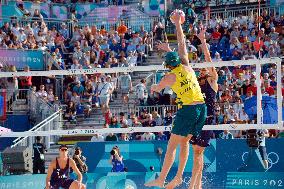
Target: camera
{"type": "Point", "coordinates": [77, 152]}
{"type": "Point", "coordinates": [112, 152]}
{"type": "Point", "coordinates": [254, 138]}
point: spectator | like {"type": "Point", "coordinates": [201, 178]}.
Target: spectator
{"type": "Point", "coordinates": [125, 85]}
{"type": "Point", "coordinates": [252, 87]}
{"type": "Point", "coordinates": [124, 137]}
{"type": "Point", "coordinates": [148, 136]}
{"type": "Point", "coordinates": [157, 118]}
{"type": "Point", "coordinates": [78, 88]}
{"type": "Point", "coordinates": [268, 89]}
{"type": "Point", "coordinates": [41, 93]}
{"type": "Point", "coordinates": [26, 82]}
{"type": "Point", "coordinates": [50, 96]}
{"type": "Point", "coordinates": [70, 112]}
{"type": "Point", "coordinates": [111, 137]}
{"type": "Point", "coordinates": [141, 92]}
{"type": "Point", "coordinates": [114, 123]}
{"type": "Point", "coordinates": [104, 90]}
{"type": "Point", "coordinates": [161, 136]}
{"type": "Point", "coordinates": [122, 29]}
{"type": "Point", "coordinates": [122, 120]}
{"type": "Point", "coordinates": [160, 33]}
{"type": "Point", "coordinates": [226, 135]}
{"type": "Point", "coordinates": [168, 120]}
{"type": "Point", "coordinates": [232, 116]}
{"type": "Point", "coordinates": [98, 138]}
{"type": "Point", "coordinates": [238, 106]}
{"type": "Point", "coordinates": [243, 118]}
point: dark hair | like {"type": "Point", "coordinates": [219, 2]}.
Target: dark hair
{"type": "Point", "coordinates": [121, 114]}
{"type": "Point", "coordinates": [38, 138]}
{"type": "Point", "coordinates": [63, 146]}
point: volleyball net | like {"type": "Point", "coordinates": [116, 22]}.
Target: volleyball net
{"type": "Point", "coordinates": [258, 63]}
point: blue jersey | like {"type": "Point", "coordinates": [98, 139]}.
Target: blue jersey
{"type": "Point", "coordinates": [117, 166]}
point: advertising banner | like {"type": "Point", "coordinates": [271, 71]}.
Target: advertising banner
{"type": "Point", "coordinates": [22, 58]}
{"type": "Point", "coordinates": [228, 164]}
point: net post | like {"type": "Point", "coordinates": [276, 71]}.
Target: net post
{"type": "Point", "coordinates": [279, 93]}
{"type": "Point", "coordinates": [259, 96]}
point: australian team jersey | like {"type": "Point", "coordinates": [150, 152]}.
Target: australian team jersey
{"type": "Point", "coordinates": [186, 86]}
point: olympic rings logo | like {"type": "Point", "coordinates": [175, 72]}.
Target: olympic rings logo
{"type": "Point", "coordinates": [272, 158]}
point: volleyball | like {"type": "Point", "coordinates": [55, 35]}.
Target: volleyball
{"type": "Point", "coordinates": [176, 12]}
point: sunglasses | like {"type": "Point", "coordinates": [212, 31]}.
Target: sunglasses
{"type": "Point", "coordinates": [63, 149]}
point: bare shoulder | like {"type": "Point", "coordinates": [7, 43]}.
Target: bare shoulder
{"type": "Point", "coordinates": [188, 68]}
{"type": "Point", "coordinates": [72, 162]}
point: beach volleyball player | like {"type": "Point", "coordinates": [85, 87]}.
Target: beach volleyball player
{"type": "Point", "coordinates": [191, 116]}
{"type": "Point", "coordinates": [208, 83]}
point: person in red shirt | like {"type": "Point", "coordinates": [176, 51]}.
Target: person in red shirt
{"type": "Point", "coordinates": [258, 44]}
{"type": "Point", "coordinates": [252, 87]}
{"type": "Point", "coordinates": [26, 83]}
{"type": "Point", "coordinates": [238, 71]}
{"type": "Point", "coordinates": [108, 116]}
{"type": "Point", "coordinates": [216, 34]}
{"type": "Point", "coordinates": [268, 89]}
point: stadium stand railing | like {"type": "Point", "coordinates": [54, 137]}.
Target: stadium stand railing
{"type": "Point", "coordinates": [53, 122]}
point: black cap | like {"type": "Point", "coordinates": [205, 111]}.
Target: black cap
{"type": "Point", "coordinates": [63, 146]}
{"type": "Point", "coordinates": [78, 148]}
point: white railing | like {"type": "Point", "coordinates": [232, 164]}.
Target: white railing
{"type": "Point", "coordinates": [161, 109]}
{"type": "Point", "coordinates": [227, 13]}
{"type": "Point", "coordinates": [53, 122]}
{"type": "Point", "coordinates": [40, 109]}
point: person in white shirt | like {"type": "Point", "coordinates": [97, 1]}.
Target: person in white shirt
{"type": "Point", "coordinates": [131, 59]}
{"type": "Point", "coordinates": [76, 64]}
{"type": "Point", "coordinates": [104, 90]}
{"type": "Point", "coordinates": [238, 106]}
{"type": "Point", "coordinates": [141, 92]}
{"type": "Point", "coordinates": [148, 136]}
{"type": "Point", "coordinates": [226, 135]}
{"type": "Point", "coordinates": [217, 57]}
{"type": "Point", "coordinates": [41, 93]}
{"type": "Point", "coordinates": [50, 96]}
{"type": "Point", "coordinates": [125, 85]}
{"type": "Point", "coordinates": [243, 116]}
{"type": "Point", "coordinates": [98, 138]}
{"type": "Point", "coordinates": [232, 116]}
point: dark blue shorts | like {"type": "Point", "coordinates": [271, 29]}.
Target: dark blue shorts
{"type": "Point", "coordinates": [202, 140]}
{"type": "Point", "coordinates": [66, 183]}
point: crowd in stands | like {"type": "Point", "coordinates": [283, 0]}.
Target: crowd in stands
{"type": "Point", "coordinates": [111, 2]}
{"type": "Point", "coordinates": [92, 47]}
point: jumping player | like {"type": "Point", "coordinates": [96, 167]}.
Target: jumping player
{"type": "Point", "coordinates": [209, 87]}
{"type": "Point", "coordinates": [191, 115]}
{"type": "Point", "coordinates": [58, 172]}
